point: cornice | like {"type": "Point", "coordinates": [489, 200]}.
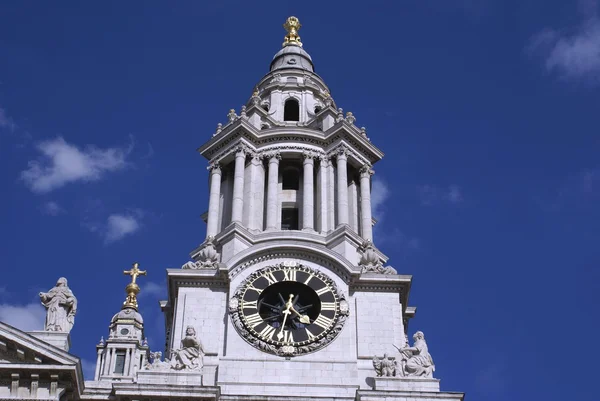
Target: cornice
{"type": "Point", "coordinates": [291, 138]}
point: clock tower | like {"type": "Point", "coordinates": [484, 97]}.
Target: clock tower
{"type": "Point", "coordinates": [288, 296]}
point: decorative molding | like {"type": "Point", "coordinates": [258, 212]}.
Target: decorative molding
{"type": "Point", "coordinates": [366, 171]}
{"type": "Point", "coordinates": [287, 350]}
{"type": "Point", "coordinates": [207, 257]}
{"type": "Point", "coordinates": [269, 255]}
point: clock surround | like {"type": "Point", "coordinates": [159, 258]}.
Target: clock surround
{"type": "Point", "coordinates": [288, 309]}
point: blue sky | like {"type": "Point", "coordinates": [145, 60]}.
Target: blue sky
{"type": "Point", "coordinates": [489, 193]}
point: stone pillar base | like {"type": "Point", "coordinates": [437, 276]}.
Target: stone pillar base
{"type": "Point", "coordinates": [59, 339]}
{"type": "Point", "coordinates": [406, 384]}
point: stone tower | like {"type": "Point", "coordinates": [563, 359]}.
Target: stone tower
{"type": "Point", "coordinates": [125, 351]}
{"type": "Point", "coordinates": [288, 294]}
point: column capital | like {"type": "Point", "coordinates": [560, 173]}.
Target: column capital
{"type": "Point", "coordinates": [341, 153]}
{"type": "Point", "coordinates": [241, 150]}
{"type": "Point", "coordinates": [324, 159]}
{"type": "Point", "coordinates": [214, 168]}
{"type": "Point", "coordinates": [273, 157]}
{"type": "Point", "coordinates": [366, 171]}
{"type": "Point", "coordinates": [308, 157]}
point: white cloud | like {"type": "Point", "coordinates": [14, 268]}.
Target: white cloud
{"type": "Point", "coordinates": [6, 121]}
{"type": "Point", "coordinates": [119, 226]}
{"type": "Point", "coordinates": [152, 290]}
{"type": "Point", "coordinates": [573, 55]}
{"type": "Point", "coordinates": [63, 163]}
{"type": "Point", "coordinates": [430, 195]}
{"type": "Point", "coordinates": [23, 317]}
{"type": "Point", "coordinates": [89, 369]}
{"type": "Point", "coordinates": [52, 208]}
{"type": "Point", "coordinates": [379, 195]}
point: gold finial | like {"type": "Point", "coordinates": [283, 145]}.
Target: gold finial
{"type": "Point", "coordinates": [292, 26]}
{"type": "Point", "coordinates": [132, 288]}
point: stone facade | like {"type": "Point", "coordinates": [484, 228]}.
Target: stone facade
{"type": "Point", "coordinates": [290, 237]}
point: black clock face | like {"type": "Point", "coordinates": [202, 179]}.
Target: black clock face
{"type": "Point", "coordinates": [292, 305]}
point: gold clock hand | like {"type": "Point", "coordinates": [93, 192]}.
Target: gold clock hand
{"type": "Point", "coordinates": [286, 312]}
{"type": "Point", "coordinates": [303, 318]}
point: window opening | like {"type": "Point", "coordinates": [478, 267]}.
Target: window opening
{"type": "Point", "coordinates": [291, 110]}
{"type": "Point", "coordinates": [120, 362]}
{"type": "Point", "coordinates": [289, 219]}
{"type": "Point", "coordinates": [291, 179]}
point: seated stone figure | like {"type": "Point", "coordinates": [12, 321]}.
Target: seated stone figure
{"type": "Point", "coordinates": [190, 355]}
{"type": "Point", "coordinates": [416, 360]}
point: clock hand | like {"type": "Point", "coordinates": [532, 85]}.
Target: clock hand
{"type": "Point", "coordinates": [286, 312]}
{"type": "Point", "coordinates": [303, 318]}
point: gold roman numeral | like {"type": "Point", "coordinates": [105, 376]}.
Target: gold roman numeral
{"type": "Point", "coordinates": [267, 332]}
{"type": "Point", "coordinates": [308, 279]}
{"type": "Point", "coordinates": [270, 278]}
{"type": "Point", "coordinates": [327, 305]}
{"type": "Point", "coordinates": [323, 321]}
{"type": "Point", "coordinates": [289, 275]}
{"type": "Point", "coordinates": [254, 320]}
{"type": "Point", "coordinates": [311, 336]}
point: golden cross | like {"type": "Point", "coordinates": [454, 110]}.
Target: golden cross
{"type": "Point", "coordinates": [135, 272]}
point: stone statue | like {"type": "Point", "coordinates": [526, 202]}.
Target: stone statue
{"type": "Point", "coordinates": [154, 362]}
{"type": "Point", "coordinates": [190, 356]}
{"type": "Point", "coordinates": [416, 360]}
{"type": "Point", "coordinates": [384, 367]}
{"type": "Point", "coordinates": [61, 306]}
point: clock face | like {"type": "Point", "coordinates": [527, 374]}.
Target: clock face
{"type": "Point", "coordinates": [290, 307]}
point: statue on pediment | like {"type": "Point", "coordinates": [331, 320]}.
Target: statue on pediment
{"type": "Point", "coordinates": [190, 355]}
{"type": "Point", "coordinates": [416, 360]}
{"type": "Point", "coordinates": [61, 306]}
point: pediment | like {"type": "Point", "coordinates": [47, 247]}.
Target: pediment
{"type": "Point", "coordinates": [18, 347]}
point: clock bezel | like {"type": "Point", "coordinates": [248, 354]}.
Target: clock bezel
{"type": "Point", "coordinates": [278, 347]}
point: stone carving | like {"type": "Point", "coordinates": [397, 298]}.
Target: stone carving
{"type": "Point", "coordinates": [350, 119]}
{"type": "Point", "coordinates": [191, 354]}
{"type": "Point", "coordinates": [207, 257]}
{"type": "Point", "coordinates": [255, 99]}
{"type": "Point", "coordinates": [287, 350]}
{"type": "Point", "coordinates": [416, 360]}
{"type": "Point", "coordinates": [154, 362]}
{"type": "Point", "coordinates": [340, 115]}
{"type": "Point", "coordinates": [61, 306]}
{"type": "Point", "coordinates": [243, 112]}
{"type": "Point", "coordinates": [219, 129]}
{"type": "Point", "coordinates": [363, 132]}
{"type": "Point", "coordinates": [385, 366]}
{"type": "Point", "coordinates": [370, 262]}
{"type": "Point", "coordinates": [232, 116]}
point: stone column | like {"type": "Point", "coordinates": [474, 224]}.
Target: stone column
{"type": "Point", "coordinates": [257, 188]}
{"type": "Point", "coordinates": [213, 201]}
{"type": "Point", "coordinates": [330, 195]}
{"type": "Point", "coordinates": [308, 201]}
{"type": "Point", "coordinates": [106, 367]}
{"type": "Point", "coordinates": [342, 187]}
{"type": "Point", "coordinates": [365, 202]}
{"type": "Point", "coordinates": [238, 185]}
{"type": "Point", "coordinates": [98, 365]}
{"type": "Point", "coordinates": [127, 361]}
{"type": "Point", "coordinates": [273, 190]}
{"type": "Point", "coordinates": [323, 194]}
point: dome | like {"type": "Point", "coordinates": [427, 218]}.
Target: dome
{"type": "Point", "coordinates": [128, 314]}
{"type": "Point", "coordinates": [292, 57]}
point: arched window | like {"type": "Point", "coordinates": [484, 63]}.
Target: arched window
{"type": "Point", "coordinates": [291, 110]}
{"type": "Point", "coordinates": [290, 179]}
